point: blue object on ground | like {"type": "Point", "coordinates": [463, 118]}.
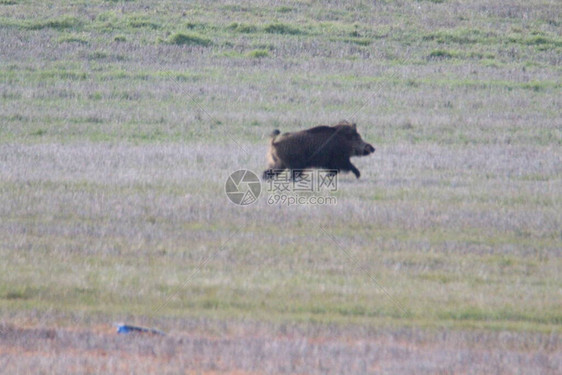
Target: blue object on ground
{"type": "Point", "coordinates": [126, 328]}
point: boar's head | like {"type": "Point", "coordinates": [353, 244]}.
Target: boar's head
{"type": "Point", "coordinates": [358, 146]}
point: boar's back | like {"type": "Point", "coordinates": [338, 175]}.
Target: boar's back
{"type": "Point", "coordinates": [320, 129]}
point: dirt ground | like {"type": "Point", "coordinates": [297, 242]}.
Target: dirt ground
{"type": "Point", "coordinates": [25, 350]}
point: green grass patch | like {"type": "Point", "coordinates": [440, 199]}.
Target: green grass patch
{"type": "Point", "coordinates": [281, 28]}
{"type": "Point", "coordinates": [488, 315]}
{"type": "Point", "coordinates": [353, 40]}
{"type": "Point", "coordinates": [19, 293]}
{"type": "Point", "coordinates": [440, 54]}
{"type": "Point", "coordinates": [190, 39]}
{"type": "Point", "coordinates": [38, 133]}
{"type": "Point", "coordinates": [544, 43]}
{"type": "Point", "coordinates": [540, 41]}
{"type": "Point", "coordinates": [142, 21]}
{"type": "Point", "coordinates": [242, 28]}
{"type": "Point", "coordinates": [258, 53]}
{"type": "Point", "coordinates": [62, 74]}
{"type": "Point", "coordinates": [284, 9]}
{"type": "Point", "coordinates": [98, 55]}
{"type": "Point", "coordinates": [78, 39]}
{"type": "Point", "coordinates": [536, 86]}
{"type": "Point", "coordinates": [461, 36]}
{"type": "Point", "coordinates": [58, 23]}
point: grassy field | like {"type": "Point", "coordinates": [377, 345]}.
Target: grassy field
{"type": "Point", "coordinates": [120, 122]}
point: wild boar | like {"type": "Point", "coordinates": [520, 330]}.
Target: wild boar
{"type": "Point", "coordinates": [324, 147]}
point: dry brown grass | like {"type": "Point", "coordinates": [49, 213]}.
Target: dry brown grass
{"type": "Point", "coordinates": [251, 348]}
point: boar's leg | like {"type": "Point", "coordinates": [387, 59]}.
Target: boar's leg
{"type": "Point", "coordinates": [347, 166]}
{"type": "Point", "coordinates": [355, 170]}
{"type": "Point", "coordinates": [344, 165]}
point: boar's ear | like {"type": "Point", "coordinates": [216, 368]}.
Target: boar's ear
{"type": "Point", "coordinates": [354, 126]}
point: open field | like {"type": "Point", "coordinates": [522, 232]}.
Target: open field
{"type": "Point", "coordinates": [121, 121]}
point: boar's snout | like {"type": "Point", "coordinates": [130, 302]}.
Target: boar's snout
{"type": "Point", "coordinates": [361, 148]}
{"type": "Point", "coordinates": [369, 149]}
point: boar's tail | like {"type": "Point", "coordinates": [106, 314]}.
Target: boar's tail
{"type": "Point", "coordinates": [274, 134]}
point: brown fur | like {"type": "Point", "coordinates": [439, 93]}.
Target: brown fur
{"type": "Point", "coordinates": [325, 147]}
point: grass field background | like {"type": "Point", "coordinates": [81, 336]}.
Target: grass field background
{"type": "Point", "coordinates": [120, 122]}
